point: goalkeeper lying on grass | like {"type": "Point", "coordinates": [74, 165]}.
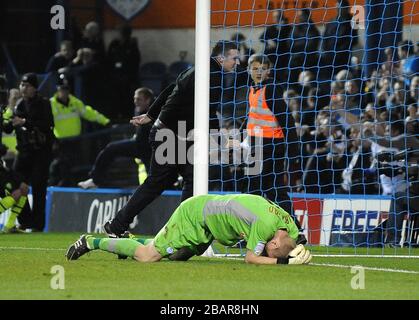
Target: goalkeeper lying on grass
{"type": "Point", "coordinates": [270, 232]}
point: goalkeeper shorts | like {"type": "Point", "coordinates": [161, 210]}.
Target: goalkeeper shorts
{"type": "Point", "coordinates": [184, 229]}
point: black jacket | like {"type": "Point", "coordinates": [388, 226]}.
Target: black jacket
{"type": "Point", "coordinates": [37, 132]}
{"type": "Point", "coordinates": [179, 105]}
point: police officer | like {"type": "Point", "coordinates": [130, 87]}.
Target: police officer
{"type": "Point", "coordinates": [33, 123]}
{"type": "Point", "coordinates": [68, 112]}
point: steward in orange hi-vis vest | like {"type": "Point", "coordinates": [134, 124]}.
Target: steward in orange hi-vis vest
{"type": "Point", "coordinates": [261, 120]}
{"type": "Point", "coordinates": [273, 138]}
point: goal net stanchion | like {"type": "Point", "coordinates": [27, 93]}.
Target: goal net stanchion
{"type": "Point", "coordinates": [348, 74]}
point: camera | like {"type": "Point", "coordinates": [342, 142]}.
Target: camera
{"type": "Point", "coordinates": [406, 161]}
{"type": "Point", "coordinates": [389, 165]}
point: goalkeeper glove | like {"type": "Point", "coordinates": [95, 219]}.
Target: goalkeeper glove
{"type": "Point", "coordinates": [299, 255]}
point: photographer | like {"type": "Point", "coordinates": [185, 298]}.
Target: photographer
{"type": "Point", "coordinates": [33, 123]}
{"type": "Point", "coordinates": [393, 176]}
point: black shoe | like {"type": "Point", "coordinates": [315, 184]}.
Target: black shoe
{"type": "Point", "coordinates": [77, 249]}
{"type": "Point", "coordinates": [301, 239]}
{"type": "Point", "coordinates": [110, 232]}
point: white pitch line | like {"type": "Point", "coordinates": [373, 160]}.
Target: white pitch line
{"type": "Point", "coordinates": [337, 256]}
{"type": "Point", "coordinates": [366, 268]}
{"type": "Point", "coordinates": [332, 265]}
{"type": "Point", "coordinates": [24, 248]}
{"type": "Point", "coordinates": [363, 256]}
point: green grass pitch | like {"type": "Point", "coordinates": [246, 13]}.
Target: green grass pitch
{"type": "Point", "coordinates": [26, 261]}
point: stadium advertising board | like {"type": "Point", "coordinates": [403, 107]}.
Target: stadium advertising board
{"type": "Point", "coordinates": [95, 208]}
{"type": "Point", "coordinates": [331, 221]}
{"type": "Point", "coordinates": [327, 221]}
{"type": "Point", "coordinates": [352, 221]}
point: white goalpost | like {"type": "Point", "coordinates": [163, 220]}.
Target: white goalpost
{"type": "Point", "coordinates": [202, 84]}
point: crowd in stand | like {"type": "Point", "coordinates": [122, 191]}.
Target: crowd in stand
{"type": "Point", "coordinates": [89, 64]}
{"type": "Point", "coordinates": [344, 117]}
{"type": "Point", "coordinates": [331, 101]}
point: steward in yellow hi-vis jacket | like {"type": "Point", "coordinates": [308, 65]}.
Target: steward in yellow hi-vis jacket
{"type": "Point", "coordinates": [68, 115]}
{"type": "Point", "coordinates": [68, 112]}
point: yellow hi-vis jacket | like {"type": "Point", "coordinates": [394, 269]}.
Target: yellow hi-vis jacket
{"type": "Point", "coordinates": [9, 139]}
{"type": "Point", "coordinates": [67, 119]}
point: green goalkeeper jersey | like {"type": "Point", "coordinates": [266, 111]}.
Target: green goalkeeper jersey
{"type": "Point", "coordinates": [232, 217]}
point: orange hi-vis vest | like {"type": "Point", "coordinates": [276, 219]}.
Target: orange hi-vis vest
{"type": "Point", "coordinates": [261, 120]}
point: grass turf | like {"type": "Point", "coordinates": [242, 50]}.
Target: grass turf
{"type": "Point", "coordinates": [26, 274]}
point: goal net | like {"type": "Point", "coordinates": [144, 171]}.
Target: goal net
{"type": "Point", "coordinates": [343, 88]}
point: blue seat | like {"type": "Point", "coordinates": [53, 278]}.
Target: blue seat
{"type": "Point", "coordinates": [153, 75]}
{"type": "Point", "coordinates": [410, 68]}
{"type": "Point", "coordinates": [177, 68]}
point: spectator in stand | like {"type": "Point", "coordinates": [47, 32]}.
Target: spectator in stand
{"type": "Point", "coordinates": [306, 81]}
{"type": "Point", "coordinates": [412, 120]}
{"type": "Point", "coordinates": [414, 89]}
{"type": "Point", "coordinates": [317, 177]}
{"type": "Point", "coordinates": [347, 106]}
{"type": "Point", "coordinates": [245, 51]}
{"type": "Point", "coordinates": [370, 88]}
{"type": "Point", "coordinates": [356, 67]}
{"type": "Point", "coordinates": [124, 60]}
{"type": "Point", "coordinates": [369, 114]}
{"type": "Point", "coordinates": [353, 96]}
{"type": "Point", "coordinates": [276, 41]}
{"type": "Point", "coordinates": [391, 66]}
{"type": "Point", "coordinates": [356, 178]}
{"type": "Point", "coordinates": [305, 41]}
{"type": "Point", "coordinates": [405, 50]}
{"type": "Point", "coordinates": [338, 40]}
{"type": "Point", "coordinates": [92, 39]}
{"type": "Point", "coordinates": [137, 147]}
{"type": "Point", "coordinates": [399, 100]}
{"type": "Point", "coordinates": [297, 108]}
{"type": "Point", "coordinates": [62, 59]}
{"type": "Point", "coordinates": [340, 79]}
{"type": "Point", "coordinates": [89, 76]}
